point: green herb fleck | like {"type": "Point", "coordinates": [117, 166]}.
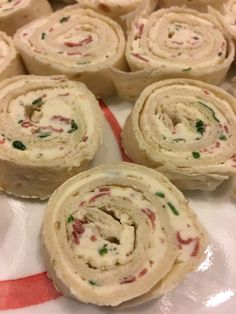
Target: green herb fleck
{"type": "Point", "coordinates": [103, 251]}
{"type": "Point", "coordinates": [20, 121]}
{"type": "Point", "coordinates": [200, 126]}
{"type": "Point", "coordinates": [43, 35]}
{"type": "Point", "coordinates": [64, 19]}
{"type": "Point", "coordinates": [38, 101]}
{"type": "Point", "coordinates": [92, 282]}
{"type": "Point", "coordinates": [173, 209]}
{"type": "Point", "coordinates": [186, 69]}
{"type": "Point", "coordinates": [18, 145]}
{"type": "Point", "coordinates": [212, 111]}
{"type": "Point", "coordinates": [73, 126]}
{"type": "Point", "coordinates": [160, 194]}
{"type": "Point", "coordinates": [70, 219]}
{"type": "Point", "coordinates": [42, 135]}
{"type": "Point", "coordinates": [222, 137]}
{"type": "Point", "coordinates": [196, 155]}
{"type": "Point", "coordinates": [9, 0]}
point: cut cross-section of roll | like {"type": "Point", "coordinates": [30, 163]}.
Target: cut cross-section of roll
{"type": "Point", "coordinates": [200, 5]}
{"type": "Point", "coordinates": [10, 62]}
{"type": "Point", "coordinates": [185, 129]}
{"type": "Point", "coordinates": [50, 129]}
{"type": "Point", "coordinates": [113, 8]}
{"type": "Point", "coordinates": [118, 233]}
{"type": "Point", "coordinates": [79, 43]}
{"type": "Point", "coordinates": [175, 42]}
{"type": "Point", "coordinates": [227, 14]}
{"type": "Point", "coordinates": [16, 13]}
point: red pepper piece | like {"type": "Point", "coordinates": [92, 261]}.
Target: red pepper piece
{"type": "Point", "coordinates": [151, 215]}
{"type": "Point", "coordinates": [128, 279]}
{"type": "Point", "coordinates": [182, 241]}
{"type": "Point", "coordinates": [196, 248]}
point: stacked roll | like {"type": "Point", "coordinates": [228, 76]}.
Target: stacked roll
{"type": "Point", "coordinates": [227, 14]}
{"type": "Point", "coordinates": [119, 233]}
{"type": "Point", "coordinates": [113, 8]}
{"type": "Point", "coordinates": [74, 42]}
{"type": "Point", "coordinates": [10, 62]}
{"type": "Point", "coordinates": [16, 13]}
{"type": "Point", "coordinates": [185, 129]}
{"type": "Point", "coordinates": [175, 42]}
{"type": "Point", "coordinates": [50, 129]}
{"type": "Point", "coordinates": [200, 5]}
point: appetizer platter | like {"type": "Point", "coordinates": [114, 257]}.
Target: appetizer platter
{"type": "Point", "coordinates": [117, 156]}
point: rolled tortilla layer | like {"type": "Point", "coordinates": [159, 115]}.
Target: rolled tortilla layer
{"type": "Point", "coordinates": [175, 42]}
{"type": "Point", "coordinates": [185, 129]}
{"type": "Point", "coordinates": [79, 43]}
{"type": "Point", "coordinates": [200, 5]}
{"type": "Point", "coordinates": [16, 13]}
{"type": "Point", "coordinates": [227, 14]}
{"type": "Point", "coordinates": [10, 62]}
{"type": "Point", "coordinates": [113, 8]}
{"type": "Point", "coordinates": [50, 130]}
{"type": "Point", "coordinates": [108, 235]}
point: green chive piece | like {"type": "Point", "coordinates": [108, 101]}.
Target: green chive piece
{"type": "Point", "coordinates": [200, 126]}
{"type": "Point", "coordinates": [18, 145]}
{"type": "Point", "coordinates": [73, 126]}
{"type": "Point", "coordinates": [92, 282]}
{"type": "Point", "coordinates": [103, 251]}
{"type": "Point", "coordinates": [196, 155]}
{"type": "Point", "coordinates": [38, 101]}
{"type": "Point", "coordinates": [187, 69]}
{"type": "Point", "coordinates": [64, 19]}
{"type": "Point", "coordinates": [160, 194]}
{"type": "Point", "coordinates": [222, 137]}
{"type": "Point", "coordinates": [42, 135]}
{"type": "Point", "coordinates": [43, 35]}
{"type": "Point", "coordinates": [20, 121]}
{"type": "Point", "coordinates": [70, 219]}
{"type": "Point", "coordinates": [212, 111]}
{"type": "Point", "coordinates": [173, 209]}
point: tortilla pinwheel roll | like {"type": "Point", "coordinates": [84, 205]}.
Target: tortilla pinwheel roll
{"type": "Point", "coordinates": [119, 232]}
{"type": "Point", "coordinates": [16, 13]}
{"type": "Point", "coordinates": [227, 14]}
{"type": "Point", "coordinates": [113, 8]}
{"type": "Point", "coordinates": [185, 129]}
{"type": "Point", "coordinates": [10, 62]}
{"type": "Point", "coordinates": [200, 5]}
{"type": "Point", "coordinates": [175, 42]}
{"type": "Point", "coordinates": [79, 43]}
{"type": "Point", "coordinates": [50, 129]}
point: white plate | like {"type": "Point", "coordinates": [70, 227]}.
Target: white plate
{"type": "Point", "coordinates": [23, 282]}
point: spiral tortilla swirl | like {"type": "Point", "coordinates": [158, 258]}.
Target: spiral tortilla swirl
{"type": "Point", "coordinates": [113, 234]}
{"type": "Point", "coordinates": [171, 43]}
{"type": "Point", "coordinates": [227, 14]}
{"type": "Point", "coordinates": [185, 129]}
{"type": "Point", "coordinates": [74, 42]}
{"type": "Point", "coordinates": [50, 129]}
{"type": "Point", "coordinates": [16, 13]}
{"type": "Point", "coordinates": [10, 62]}
{"type": "Point", "coordinates": [113, 8]}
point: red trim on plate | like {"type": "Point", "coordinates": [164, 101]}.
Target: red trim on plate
{"type": "Point", "coordinates": [26, 291]}
{"type": "Point", "coordinates": [38, 288]}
